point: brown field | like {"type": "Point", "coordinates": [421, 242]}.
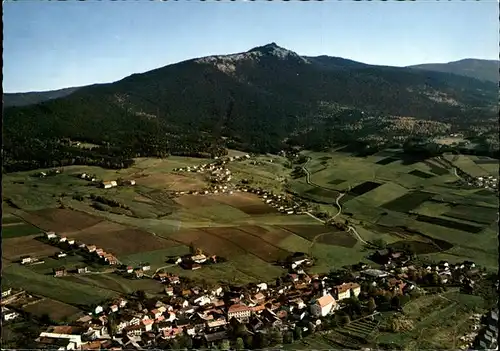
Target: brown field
{"type": "Point", "coordinates": [14, 248]}
{"type": "Point", "coordinates": [274, 236]}
{"type": "Point", "coordinates": [190, 201]}
{"type": "Point", "coordinates": [308, 231]}
{"type": "Point", "coordinates": [250, 243]}
{"type": "Point", "coordinates": [56, 310]}
{"type": "Point", "coordinates": [121, 240]}
{"type": "Point", "coordinates": [207, 242]}
{"type": "Point", "coordinates": [338, 238]}
{"type": "Point", "coordinates": [60, 220]}
{"type": "Point", "coordinates": [176, 182]}
{"type": "Point", "coordinates": [249, 203]}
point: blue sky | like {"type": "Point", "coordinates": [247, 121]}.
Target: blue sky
{"type": "Point", "coordinates": [52, 45]}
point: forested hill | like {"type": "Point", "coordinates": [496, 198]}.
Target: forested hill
{"type": "Point", "coordinates": [256, 100]}
{"type": "Point", "coordinates": [486, 70]}
{"type": "Point", "coordinates": [32, 98]}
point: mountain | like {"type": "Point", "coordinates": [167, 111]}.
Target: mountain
{"type": "Point", "coordinates": [256, 100]}
{"type": "Point", "coordinates": [486, 70]}
{"type": "Point", "coordinates": [32, 98]}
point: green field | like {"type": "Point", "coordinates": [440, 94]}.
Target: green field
{"type": "Point", "coordinates": [149, 208]}
{"type": "Point", "coordinates": [438, 321]}
{"type": "Point", "coordinates": [13, 231]}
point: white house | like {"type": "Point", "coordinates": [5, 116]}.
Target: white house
{"type": "Point", "coordinates": [199, 258]}
{"type": "Point", "coordinates": [324, 305]}
{"type": "Point", "coordinates": [26, 259]}
{"type": "Point", "coordinates": [8, 315]}
{"type": "Point", "coordinates": [50, 235]}
{"type": "Point", "coordinates": [98, 310]}
{"type": "Point", "coordinates": [202, 300]}
{"type": "Point", "coordinates": [6, 292]}
{"type": "Point", "coordinates": [262, 286]}
{"type": "Point", "coordinates": [343, 291]}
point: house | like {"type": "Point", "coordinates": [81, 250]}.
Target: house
{"type": "Point", "coordinates": [26, 259]}
{"type": "Point", "coordinates": [61, 254]}
{"type": "Point", "coordinates": [199, 258]}
{"type": "Point", "coordinates": [145, 266]}
{"type": "Point", "coordinates": [324, 305]}
{"type": "Point", "coordinates": [91, 248]}
{"type": "Point", "coordinates": [239, 311]}
{"type": "Point", "coordinates": [374, 273]}
{"type": "Point", "coordinates": [169, 291]}
{"type": "Point", "coordinates": [50, 235]}
{"type": "Point", "coordinates": [129, 182]}
{"type": "Point", "coordinates": [130, 269]}
{"type": "Point", "coordinates": [110, 259]}
{"type": "Point", "coordinates": [72, 336]}
{"type": "Point", "coordinates": [174, 279]}
{"type": "Point", "coordinates": [262, 286]}
{"type": "Point", "coordinates": [343, 291]}
{"type": "Point", "coordinates": [8, 315]}
{"type": "Point", "coordinates": [63, 239]}
{"type": "Point", "coordinates": [82, 270]}
{"type": "Point", "coordinates": [396, 285]}
{"type": "Point", "coordinates": [139, 273]}
{"type": "Point", "coordinates": [98, 309]}
{"type": "Point", "coordinates": [109, 184]}
{"type": "Point", "coordinates": [6, 292]}
{"type": "Point", "coordinates": [60, 272]}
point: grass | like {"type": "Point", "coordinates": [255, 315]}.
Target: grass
{"type": "Point", "coordinates": [55, 288]}
{"type": "Point", "coordinates": [23, 229]}
{"type": "Point", "coordinates": [330, 257]}
{"type": "Point", "coordinates": [438, 321]}
{"type": "Point", "coordinates": [155, 258]}
{"type": "Point", "coordinates": [466, 164]}
{"type": "Point", "coordinates": [383, 194]}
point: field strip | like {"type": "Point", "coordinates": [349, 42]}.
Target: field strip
{"type": "Point", "coordinates": [261, 238]}
{"type": "Point", "coordinates": [237, 245]}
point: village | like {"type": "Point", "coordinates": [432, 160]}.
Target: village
{"type": "Point", "coordinates": [190, 314]}
{"type": "Point", "coordinates": [193, 315]}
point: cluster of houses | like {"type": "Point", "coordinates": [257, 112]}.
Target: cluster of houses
{"type": "Point", "coordinates": [195, 261]}
{"type": "Point", "coordinates": [108, 184]}
{"type": "Point", "coordinates": [281, 202]}
{"type": "Point", "coordinates": [488, 182]}
{"type": "Point", "coordinates": [68, 244]}
{"type": "Point", "coordinates": [140, 271]}
{"type": "Point", "coordinates": [50, 172]}
{"type": "Point", "coordinates": [487, 336]}
{"type": "Point", "coordinates": [214, 166]}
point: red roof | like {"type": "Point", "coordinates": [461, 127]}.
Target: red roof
{"type": "Point", "coordinates": [238, 308]}
{"type": "Point", "coordinates": [326, 300]}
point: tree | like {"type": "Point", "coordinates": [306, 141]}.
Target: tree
{"type": "Point", "coordinates": [372, 306]}
{"type": "Point", "coordinates": [380, 243]}
{"type": "Point", "coordinates": [192, 249]}
{"type": "Point", "coordinates": [276, 337]}
{"type": "Point", "coordinates": [345, 319]}
{"type": "Point", "coordinates": [240, 345]}
{"type": "Point", "coordinates": [395, 303]}
{"type": "Point", "coordinates": [225, 345]}
{"type": "Point", "coordinates": [297, 333]}
{"type": "Point", "coordinates": [261, 341]}
{"type": "Point", "coordinates": [248, 341]}
{"type": "Point", "coordinates": [141, 295]}
{"type": "Point", "coordinates": [288, 337]}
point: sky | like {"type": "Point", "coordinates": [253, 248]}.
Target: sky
{"type": "Point", "coordinates": [53, 44]}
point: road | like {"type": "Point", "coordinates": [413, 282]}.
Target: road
{"type": "Point", "coordinates": [167, 266]}
{"type": "Point", "coordinates": [350, 228]}
{"type": "Point", "coordinates": [338, 205]}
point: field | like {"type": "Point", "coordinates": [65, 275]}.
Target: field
{"type": "Point", "coordinates": [382, 200]}
{"type": "Point", "coordinates": [57, 311]}
{"type": "Point", "coordinates": [14, 248]}
{"type": "Point", "coordinates": [13, 227]}
{"type": "Point", "coordinates": [439, 320]}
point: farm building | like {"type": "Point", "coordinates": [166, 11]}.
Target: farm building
{"type": "Point", "coordinates": [26, 259]}
{"type": "Point", "coordinates": [50, 235]}
{"type": "Point", "coordinates": [82, 270]}
{"type": "Point", "coordinates": [109, 184]}
{"type": "Point", "coordinates": [8, 315]}
{"type": "Point", "coordinates": [60, 272]}
{"type": "Point", "coordinates": [6, 292]}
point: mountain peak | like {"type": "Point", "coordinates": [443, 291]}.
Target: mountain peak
{"type": "Point", "coordinates": [273, 49]}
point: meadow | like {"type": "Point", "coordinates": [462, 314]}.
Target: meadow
{"type": "Point", "coordinates": [387, 200]}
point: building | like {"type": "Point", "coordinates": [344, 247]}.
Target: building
{"type": "Point", "coordinates": [6, 292]}
{"type": "Point", "coordinates": [239, 311]}
{"type": "Point", "coordinates": [50, 235]}
{"type": "Point", "coordinates": [8, 315]}
{"type": "Point", "coordinates": [324, 305]}
{"type": "Point", "coordinates": [344, 290]}
{"type": "Point", "coordinates": [109, 184]}
{"type": "Point", "coordinates": [59, 272]}
{"type": "Point", "coordinates": [82, 270]}
{"type": "Point", "coordinates": [65, 333]}
{"type": "Point", "coordinates": [26, 259]}
{"type": "Point", "coordinates": [199, 258]}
